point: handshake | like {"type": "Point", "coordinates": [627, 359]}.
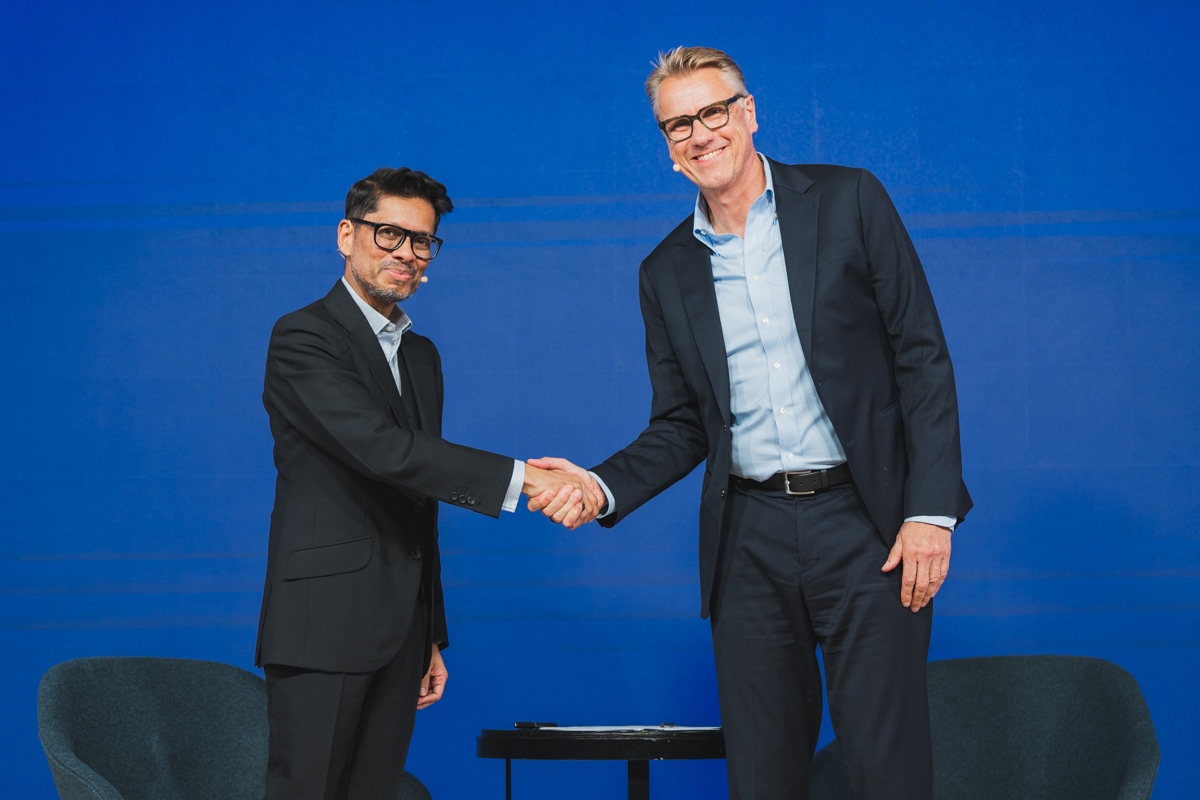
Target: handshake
{"type": "Point", "coordinates": [565, 493]}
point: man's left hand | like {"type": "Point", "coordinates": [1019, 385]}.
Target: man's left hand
{"type": "Point", "coordinates": [434, 681]}
{"type": "Point", "coordinates": [925, 550]}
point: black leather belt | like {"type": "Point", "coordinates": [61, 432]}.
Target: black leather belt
{"type": "Point", "coordinates": [807, 482]}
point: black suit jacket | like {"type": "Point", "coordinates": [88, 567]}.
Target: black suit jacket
{"type": "Point", "coordinates": [872, 339]}
{"type": "Point", "coordinates": [354, 528]}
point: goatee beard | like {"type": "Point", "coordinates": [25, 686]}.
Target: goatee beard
{"type": "Point", "coordinates": [388, 295]}
{"type": "Point", "coordinates": [381, 293]}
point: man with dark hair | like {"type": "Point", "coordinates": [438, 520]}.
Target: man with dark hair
{"type": "Point", "coordinates": [363, 197]}
{"type": "Point", "coordinates": [352, 623]}
{"type": "Point", "coordinates": [793, 343]}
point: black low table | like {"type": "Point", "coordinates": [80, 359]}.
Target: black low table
{"type": "Point", "coordinates": [639, 745]}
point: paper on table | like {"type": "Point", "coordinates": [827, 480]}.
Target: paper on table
{"type": "Point", "coordinates": [630, 728]}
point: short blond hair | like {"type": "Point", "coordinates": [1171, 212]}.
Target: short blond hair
{"type": "Point", "coordinates": [686, 60]}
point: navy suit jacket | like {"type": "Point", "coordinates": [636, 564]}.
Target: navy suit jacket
{"type": "Point", "coordinates": [354, 529]}
{"type": "Point", "coordinates": [872, 339]}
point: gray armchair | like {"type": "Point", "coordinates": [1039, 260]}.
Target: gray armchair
{"type": "Point", "coordinates": [1027, 727]}
{"type": "Point", "coordinates": [158, 729]}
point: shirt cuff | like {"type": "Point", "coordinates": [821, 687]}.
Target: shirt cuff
{"type": "Point", "coordinates": [945, 522]}
{"type": "Point", "coordinates": [514, 487]}
{"type": "Point", "coordinates": [612, 504]}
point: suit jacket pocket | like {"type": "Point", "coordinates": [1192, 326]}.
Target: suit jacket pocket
{"type": "Point", "coordinates": [329, 559]}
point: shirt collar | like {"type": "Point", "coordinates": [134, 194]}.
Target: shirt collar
{"type": "Point", "coordinates": [376, 320]}
{"type": "Point", "coordinates": [701, 226]}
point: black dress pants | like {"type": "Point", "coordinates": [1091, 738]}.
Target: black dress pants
{"type": "Point", "coordinates": [798, 572]}
{"type": "Point", "coordinates": [344, 736]}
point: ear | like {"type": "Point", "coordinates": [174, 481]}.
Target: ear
{"type": "Point", "coordinates": [751, 114]}
{"type": "Point", "coordinates": [345, 237]}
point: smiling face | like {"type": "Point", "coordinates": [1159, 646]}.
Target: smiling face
{"type": "Point", "coordinates": [716, 161]}
{"type": "Point", "coordinates": [382, 277]}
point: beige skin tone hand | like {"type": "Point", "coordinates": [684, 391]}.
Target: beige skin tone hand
{"type": "Point", "coordinates": [434, 682]}
{"type": "Point", "coordinates": [557, 506]}
{"type": "Point", "coordinates": [925, 552]}
{"type": "Point", "coordinates": [565, 492]}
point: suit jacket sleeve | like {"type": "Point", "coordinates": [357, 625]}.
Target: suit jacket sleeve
{"type": "Point", "coordinates": [675, 440]}
{"type": "Point", "coordinates": [312, 381]}
{"type": "Point", "coordinates": [924, 375]}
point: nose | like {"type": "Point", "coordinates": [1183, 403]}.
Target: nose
{"type": "Point", "coordinates": [405, 251]}
{"type": "Point", "coordinates": [701, 135]}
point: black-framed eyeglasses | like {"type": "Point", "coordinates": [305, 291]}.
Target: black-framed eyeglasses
{"type": "Point", "coordinates": [679, 129]}
{"type": "Point", "coordinates": [389, 237]}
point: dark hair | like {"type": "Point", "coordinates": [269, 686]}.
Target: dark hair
{"type": "Point", "coordinates": [363, 197]}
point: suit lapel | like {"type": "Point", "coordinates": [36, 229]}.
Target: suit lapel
{"type": "Point", "coordinates": [343, 309]}
{"type": "Point", "coordinates": [798, 229]}
{"type": "Point", "coordinates": [422, 385]}
{"type": "Point", "coordinates": [693, 270]}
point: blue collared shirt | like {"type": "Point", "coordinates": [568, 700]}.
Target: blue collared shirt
{"type": "Point", "coordinates": [779, 424]}
{"type": "Point", "coordinates": [387, 331]}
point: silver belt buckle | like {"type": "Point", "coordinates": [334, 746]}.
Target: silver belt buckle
{"type": "Point", "coordinates": [787, 482]}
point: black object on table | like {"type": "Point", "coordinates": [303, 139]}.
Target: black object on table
{"type": "Point", "coordinates": [634, 744]}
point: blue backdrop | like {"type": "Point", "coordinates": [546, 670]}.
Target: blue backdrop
{"type": "Point", "coordinates": [170, 179]}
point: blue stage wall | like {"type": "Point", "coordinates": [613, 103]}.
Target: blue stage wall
{"type": "Point", "coordinates": [170, 178]}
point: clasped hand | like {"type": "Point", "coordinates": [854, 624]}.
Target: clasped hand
{"type": "Point", "coordinates": [565, 493]}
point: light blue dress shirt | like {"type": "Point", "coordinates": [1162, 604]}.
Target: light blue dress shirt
{"type": "Point", "coordinates": [779, 423]}
{"type": "Point", "coordinates": [389, 333]}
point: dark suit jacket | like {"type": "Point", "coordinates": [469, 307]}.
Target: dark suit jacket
{"type": "Point", "coordinates": [354, 528]}
{"type": "Point", "coordinates": [870, 334]}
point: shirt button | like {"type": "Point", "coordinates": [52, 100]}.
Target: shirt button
{"type": "Point", "coordinates": [776, 365]}
{"type": "Point", "coordinates": [416, 554]}
{"type": "Point", "coordinates": [791, 457]}
{"type": "Point", "coordinates": [766, 320]}
{"type": "Point", "coordinates": [783, 411]}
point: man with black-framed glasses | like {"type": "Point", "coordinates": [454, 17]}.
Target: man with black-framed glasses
{"type": "Point", "coordinates": [793, 344]}
{"type": "Point", "coordinates": [352, 623]}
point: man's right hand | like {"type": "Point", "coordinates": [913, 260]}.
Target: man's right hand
{"type": "Point", "coordinates": [558, 494]}
{"type": "Point", "coordinates": [557, 506]}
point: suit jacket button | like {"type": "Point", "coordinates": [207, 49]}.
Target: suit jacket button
{"type": "Point", "coordinates": [416, 554]}
{"type": "Point", "coordinates": [462, 500]}
{"type": "Point", "coordinates": [454, 495]}
{"type": "Point", "coordinates": [470, 501]}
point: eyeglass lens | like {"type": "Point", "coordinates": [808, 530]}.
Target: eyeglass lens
{"type": "Point", "coordinates": [390, 238]}
{"type": "Point", "coordinates": [712, 117]}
